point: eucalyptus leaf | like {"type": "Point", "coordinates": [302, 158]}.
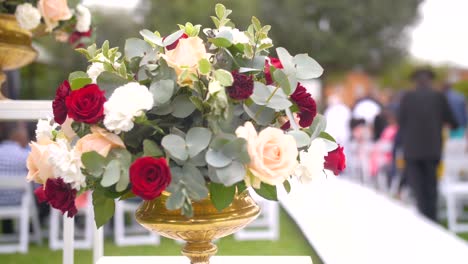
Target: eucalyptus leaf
{"type": "Point", "coordinates": [286, 60]}
{"type": "Point", "coordinates": [112, 174]}
{"type": "Point", "coordinates": [301, 137]}
{"type": "Point", "coordinates": [306, 67]}
{"type": "Point", "coordinates": [265, 116]}
{"type": "Point", "coordinates": [175, 146]}
{"type": "Point", "coordinates": [151, 37]}
{"type": "Point", "coordinates": [326, 136]}
{"type": "Point", "coordinates": [287, 186]}
{"type": "Point", "coordinates": [182, 106]}
{"type": "Point", "coordinates": [108, 82]}
{"type": "Point", "coordinates": [93, 163]}
{"type": "Point", "coordinates": [195, 182]}
{"type": "Point", "coordinates": [175, 200]}
{"type": "Point", "coordinates": [221, 196]}
{"type": "Point", "coordinates": [318, 126]}
{"type": "Point", "coordinates": [124, 180]}
{"type": "Point", "coordinates": [172, 38]}
{"type": "Point", "coordinates": [162, 91]}
{"type": "Point", "coordinates": [197, 139]}
{"type": "Point", "coordinates": [135, 47]}
{"type": "Point", "coordinates": [282, 79]}
{"type": "Point", "coordinates": [217, 159]}
{"type": "Point", "coordinates": [231, 174]}
{"type": "Point", "coordinates": [220, 42]}
{"type": "Point", "coordinates": [261, 93]}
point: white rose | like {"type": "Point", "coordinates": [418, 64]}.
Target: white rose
{"type": "Point", "coordinates": [83, 18]}
{"type": "Point", "coordinates": [44, 129]}
{"type": "Point", "coordinates": [311, 162]}
{"type": "Point", "coordinates": [28, 16]}
{"type": "Point", "coordinates": [237, 36]}
{"type": "Point", "coordinates": [126, 103]}
{"type": "Point", "coordinates": [66, 163]}
{"type": "Point", "coordinates": [95, 70]}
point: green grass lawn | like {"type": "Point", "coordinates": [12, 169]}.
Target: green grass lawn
{"type": "Point", "coordinates": [291, 242]}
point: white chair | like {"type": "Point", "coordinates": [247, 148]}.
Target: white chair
{"type": "Point", "coordinates": [83, 237]}
{"type": "Point", "coordinates": [134, 233]}
{"type": "Point", "coordinates": [452, 187]}
{"type": "Point", "coordinates": [24, 212]}
{"type": "Point", "coordinates": [266, 226]}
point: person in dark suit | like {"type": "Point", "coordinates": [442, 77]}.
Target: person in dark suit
{"type": "Point", "coordinates": [423, 114]}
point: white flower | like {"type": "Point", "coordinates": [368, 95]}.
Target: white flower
{"type": "Point", "coordinates": [311, 162]}
{"type": "Point", "coordinates": [266, 41]}
{"type": "Point", "coordinates": [95, 70]}
{"type": "Point", "coordinates": [44, 129]}
{"type": "Point", "coordinates": [66, 163]}
{"type": "Point", "coordinates": [83, 18]}
{"type": "Point", "coordinates": [234, 33]}
{"type": "Point", "coordinates": [126, 103]}
{"type": "Point", "coordinates": [28, 16]}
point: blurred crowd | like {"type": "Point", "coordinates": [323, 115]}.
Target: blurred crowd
{"type": "Point", "coordinates": [394, 141]}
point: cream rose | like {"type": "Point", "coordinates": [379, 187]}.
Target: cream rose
{"type": "Point", "coordinates": [100, 140]}
{"type": "Point", "coordinates": [273, 155]}
{"type": "Point", "coordinates": [186, 56]}
{"type": "Point", "coordinates": [54, 11]}
{"type": "Point", "coordinates": [38, 162]}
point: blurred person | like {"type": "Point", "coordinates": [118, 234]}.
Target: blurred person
{"type": "Point", "coordinates": [382, 152]}
{"type": "Point", "coordinates": [338, 116]}
{"type": "Point", "coordinates": [457, 104]}
{"type": "Point", "coordinates": [13, 156]}
{"type": "Point", "coordinates": [422, 115]}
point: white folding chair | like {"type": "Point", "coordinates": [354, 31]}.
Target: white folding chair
{"type": "Point", "coordinates": [133, 233]}
{"type": "Point", "coordinates": [452, 187]}
{"type": "Point", "coordinates": [266, 226]}
{"type": "Point", "coordinates": [24, 212]}
{"type": "Point", "coordinates": [83, 237]}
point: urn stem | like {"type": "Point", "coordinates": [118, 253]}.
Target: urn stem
{"type": "Point", "coordinates": [199, 252]}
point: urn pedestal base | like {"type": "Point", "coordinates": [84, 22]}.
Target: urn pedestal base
{"type": "Point", "coordinates": [206, 225]}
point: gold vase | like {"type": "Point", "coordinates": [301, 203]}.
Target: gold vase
{"type": "Point", "coordinates": [206, 225]}
{"type": "Point", "coordinates": [15, 46]}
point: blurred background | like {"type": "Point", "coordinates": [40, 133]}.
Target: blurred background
{"type": "Point", "coordinates": [368, 48]}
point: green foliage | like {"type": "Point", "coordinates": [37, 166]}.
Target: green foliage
{"type": "Point", "coordinates": [104, 208]}
{"type": "Point", "coordinates": [267, 191]}
{"type": "Point", "coordinates": [78, 80]}
{"type": "Point", "coordinates": [221, 196]}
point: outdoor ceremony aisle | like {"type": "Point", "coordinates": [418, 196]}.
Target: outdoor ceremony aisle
{"type": "Point", "coordinates": [349, 223]}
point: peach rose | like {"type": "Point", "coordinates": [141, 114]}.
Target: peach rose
{"type": "Point", "coordinates": [186, 56]}
{"type": "Point", "coordinates": [54, 11]}
{"type": "Point", "coordinates": [67, 129]}
{"type": "Point", "coordinates": [101, 141]}
{"type": "Point", "coordinates": [273, 155]}
{"type": "Point", "coordinates": [38, 162]}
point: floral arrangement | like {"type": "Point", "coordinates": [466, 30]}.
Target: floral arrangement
{"type": "Point", "coordinates": [73, 26]}
{"type": "Point", "coordinates": [185, 114]}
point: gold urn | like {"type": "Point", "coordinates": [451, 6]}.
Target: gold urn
{"type": "Point", "coordinates": [15, 46]}
{"type": "Point", "coordinates": [206, 225]}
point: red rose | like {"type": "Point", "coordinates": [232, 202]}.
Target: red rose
{"type": "Point", "coordinates": [149, 177]}
{"type": "Point", "coordinates": [174, 45]}
{"type": "Point", "coordinates": [271, 62]}
{"type": "Point", "coordinates": [335, 160]}
{"type": "Point", "coordinates": [58, 105]}
{"type": "Point", "coordinates": [59, 195]}
{"type": "Point", "coordinates": [307, 107]}
{"type": "Point", "coordinates": [86, 104]}
{"type": "Point", "coordinates": [242, 87]}
{"type": "Point", "coordinates": [76, 36]}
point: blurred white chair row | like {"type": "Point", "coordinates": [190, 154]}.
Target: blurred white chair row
{"type": "Point", "coordinates": [25, 212]}
{"type": "Point", "coordinates": [454, 184]}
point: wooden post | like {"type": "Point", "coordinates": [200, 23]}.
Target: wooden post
{"type": "Point", "coordinates": [68, 239]}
